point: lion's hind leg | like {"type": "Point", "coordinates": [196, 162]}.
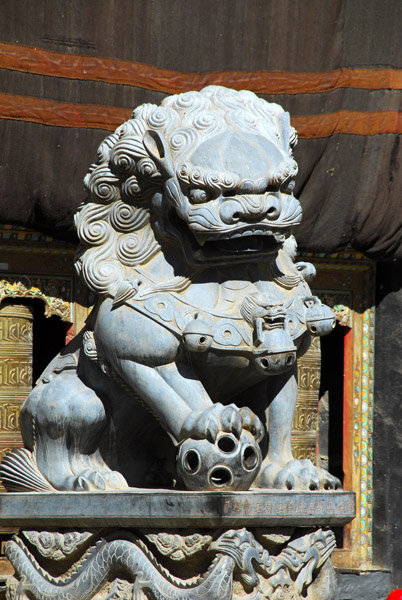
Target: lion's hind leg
{"type": "Point", "coordinates": [61, 422]}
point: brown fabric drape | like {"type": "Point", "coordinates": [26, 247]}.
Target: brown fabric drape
{"type": "Point", "coordinates": [71, 71]}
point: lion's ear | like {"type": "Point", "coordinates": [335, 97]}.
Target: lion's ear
{"type": "Point", "coordinates": [158, 150]}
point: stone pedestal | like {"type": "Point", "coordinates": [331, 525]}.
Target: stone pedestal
{"type": "Point", "coordinates": [174, 545]}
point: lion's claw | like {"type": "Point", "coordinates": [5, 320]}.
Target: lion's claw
{"type": "Point", "coordinates": [252, 423]}
{"type": "Point", "coordinates": [231, 420]}
{"type": "Point", "coordinates": [297, 475]}
{"type": "Point", "coordinates": [208, 423]}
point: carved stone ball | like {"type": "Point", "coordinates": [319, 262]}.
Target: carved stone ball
{"type": "Point", "coordinates": [227, 464]}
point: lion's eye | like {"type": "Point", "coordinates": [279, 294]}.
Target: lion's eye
{"type": "Point", "coordinates": [199, 195]}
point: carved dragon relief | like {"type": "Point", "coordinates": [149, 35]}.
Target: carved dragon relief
{"type": "Point", "coordinates": [201, 313]}
{"type": "Point", "coordinates": [239, 567]}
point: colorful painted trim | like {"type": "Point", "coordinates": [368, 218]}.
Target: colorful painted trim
{"type": "Point", "coordinates": [366, 436]}
{"type": "Point", "coordinates": [55, 292]}
{"type": "Point", "coordinates": [31, 249]}
{"type": "Point", "coordinates": [12, 232]}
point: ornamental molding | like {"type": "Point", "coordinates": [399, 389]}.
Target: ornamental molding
{"type": "Point", "coordinates": [55, 292]}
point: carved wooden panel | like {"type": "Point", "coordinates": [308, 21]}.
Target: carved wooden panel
{"type": "Point", "coordinates": [304, 430]}
{"type": "Point", "coordinates": [15, 371]}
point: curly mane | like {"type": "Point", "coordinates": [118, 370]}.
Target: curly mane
{"type": "Point", "coordinates": [113, 225]}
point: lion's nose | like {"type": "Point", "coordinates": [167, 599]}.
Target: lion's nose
{"type": "Point", "coordinates": [250, 208]}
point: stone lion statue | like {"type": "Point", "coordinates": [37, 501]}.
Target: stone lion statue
{"type": "Point", "coordinates": [185, 374]}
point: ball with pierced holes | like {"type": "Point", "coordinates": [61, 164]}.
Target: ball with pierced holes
{"type": "Point", "coordinates": [227, 464]}
{"type": "Point", "coordinates": [395, 595]}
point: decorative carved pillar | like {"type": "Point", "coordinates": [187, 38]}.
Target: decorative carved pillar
{"type": "Point", "coordinates": [15, 371]}
{"type": "Point", "coordinates": [304, 429]}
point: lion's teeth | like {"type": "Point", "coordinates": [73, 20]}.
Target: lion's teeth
{"type": "Point", "coordinates": [244, 234]}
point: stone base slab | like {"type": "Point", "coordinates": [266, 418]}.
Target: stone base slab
{"type": "Point", "coordinates": [173, 545]}
{"type": "Point", "coordinates": [165, 508]}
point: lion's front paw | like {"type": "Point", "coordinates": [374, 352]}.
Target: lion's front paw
{"type": "Point", "coordinates": [297, 475]}
{"type": "Point", "coordinates": [208, 423]}
{"type": "Point", "coordinates": [99, 479]}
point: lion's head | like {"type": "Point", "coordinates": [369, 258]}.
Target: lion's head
{"type": "Point", "coordinates": [210, 171]}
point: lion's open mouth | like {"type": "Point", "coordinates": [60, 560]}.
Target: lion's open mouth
{"type": "Point", "coordinates": [241, 244]}
{"type": "Point", "coordinates": [244, 245]}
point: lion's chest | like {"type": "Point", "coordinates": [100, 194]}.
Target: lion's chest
{"type": "Point", "coordinates": [218, 329]}
{"type": "Point", "coordinates": [223, 319]}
